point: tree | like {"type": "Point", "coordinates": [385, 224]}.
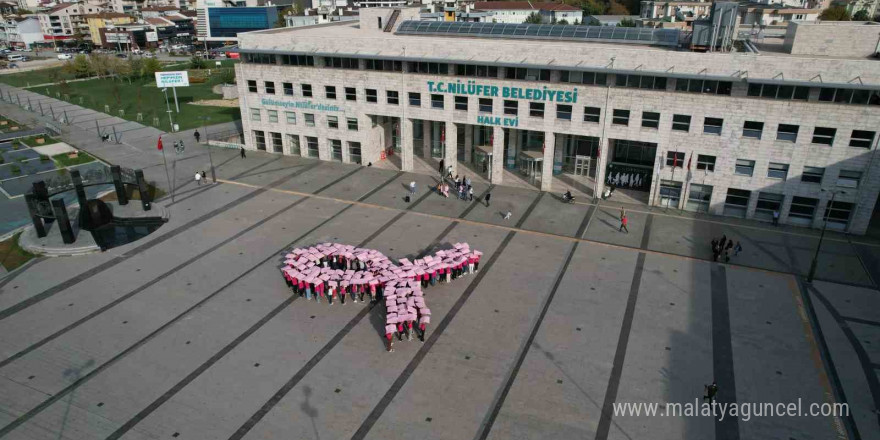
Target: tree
{"type": "Point", "coordinates": [563, 21]}
{"type": "Point", "coordinates": [79, 67]}
{"type": "Point", "coordinates": [135, 68]}
{"type": "Point", "coordinates": [198, 62]}
{"type": "Point", "coordinates": [626, 22]}
{"type": "Point", "coordinates": [227, 76]}
{"type": "Point", "coordinates": [861, 15]}
{"type": "Point", "coordinates": [576, 22]}
{"type": "Point", "coordinates": [835, 13]}
{"type": "Point", "coordinates": [594, 7]}
{"type": "Point", "coordinates": [534, 18]}
{"type": "Point", "coordinates": [293, 9]}
{"type": "Point", "coordinates": [615, 8]}
{"type": "Point", "coordinates": [151, 66]}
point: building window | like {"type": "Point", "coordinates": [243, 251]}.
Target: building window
{"type": "Point", "coordinates": [341, 63]}
{"type": "Point", "coordinates": [699, 197]}
{"type": "Point", "coordinates": [670, 193]}
{"type": "Point", "coordinates": [255, 114]}
{"type": "Point", "coordinates": [476, 70]}
{"type": "Point", "coordinates": [621, 117]}
{"type": "Point", "coordinates": [787, 133]}
{"type": "Point", "coordinates": [256, 58]}
{"type": "Point", "coordinates": [527, 74]}
{"type": "Point", "coordinates": [354, 152]}
{"type": "Point", "coordinates": [812, 174]}
{"type": "Point", "coordinates": [310, 119]}
{"type": "Point", "coordinates": [737, 202]}
{"type": "Point", "coordinates": [298, 60]}
{"type": "Point", "coordinates": [511, 108]}
{"type": "Point", "coordinates": [336, 150]}
{"type": "Point", "coordinates": [861, 139]}
{"type": "Point", "coordinates": [330, 91]}
{"type": "Point", "coordinates": [386, 65]}
{"type": "Point", "coordinates": [288, 88]}
{"type": "Point", "coordinates": [352, 124]}
{"type": "Point", "coordinates": [767, 204]}
{"type": "Point", "coordinates": [260, 139]}
{"type": "Point", "coordinates": [681, 122]}
{"type": "Point", "coordinates": [312, 147]}
{"type": "Point", "coordinates": [393, 97]}
{"type": "Point", "coordinates": [333, 122]}
{"type": "Point", "coordinates": [563, 111]}
{"type": "Point", "coordinates": [277, 143]}
{"type": "Point", "coordinates": [270, 87]}
{"type": "Point", "coordinates": [372, 95]}
{"type": "Point", "coordinates": [461, 103]}
{"type": "Point", "coordinates": [536, 109]}
{"type": "Point", "coordinates": [350, 94]}
{"type": "Point", "coordinates": [437, 101]}
{"type": "Point", "coordinates": [590, 78]}
{"type": "Point", "coordinates": [307, 90]}
{"type": "Point", "coordinates": [485, 105]}
{"type": "Point", "coordinates": [252, 86]}
{"type": "Point", "coordinates": [712, 125]}
{"type": "Point", "coordinates": [849, 96]}
{"type": "Point", "coordinates": [753, 129]}
{"type": "Point", "coordinates": [641, 82]}
{"type": "Point", "coordinates": [426, 67]}
{"type": "Point", "coordinates": [802, 210]}
{"type": "Point", "coordinates": [777, 170]}
{"type": "Point", "coordinates": [675, 159]}
{"type": "Point", "coordinates": [650, 119]}
{"type": "Point", "coordinates": [744, 167]}
{"type": "Point", "coordinates": [290, 118]}
{"type": "Point", "coordinates": [710, 87]}
{"type": "Point", "coordinates": [415, 99]}
{"type": "Point", "coordinates": [824, 135]}
{"type": "Point", "coordinates": [837, 214]}
{"type": "Point", "coordinates": [273, 115]}
{"type": "Point", "coordinates": [849, 178]}
{"type": "Point", "coordinates": [592, 114]}
{"type": "Point", "coordinates": [705, 162]}
{"type": "Point", "coordinates": [773, 91]}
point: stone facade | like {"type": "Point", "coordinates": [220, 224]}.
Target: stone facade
{"type": "Point", "coordinates": [857, 39]}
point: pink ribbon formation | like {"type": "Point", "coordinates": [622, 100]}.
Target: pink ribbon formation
{"type": "Point", "coordinates": [335, 271]}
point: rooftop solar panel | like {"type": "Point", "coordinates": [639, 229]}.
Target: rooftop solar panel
{"type": "Point", "coordinates": [664, 37]}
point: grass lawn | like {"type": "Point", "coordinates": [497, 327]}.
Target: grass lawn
{"type": "Point", "coordinates": [35, 77]}
{"type": "Point", "coordinates": [142, 96]}
{"type": "Point", "coordinates": [12, 255]}
{"type": "Point", "coordinates": [63, 160]}
{"type": "Point", "coordinates": [32, 141]}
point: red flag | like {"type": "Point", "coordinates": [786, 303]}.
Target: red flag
{"type": "Point", "coordinates": [689, 161]}
{"type": "Point", "coordinates": [159, 145]}
{"type": "Point", "coordinates": [675, 160]}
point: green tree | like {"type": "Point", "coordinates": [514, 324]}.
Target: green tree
{"type": "Point", "coordinates": [227, 76]}
{"type": "Point", "coordinates": [615, 8]}
{"type": "Point", "coordinates": [835, 13]}
{"type": "Point", "coordinates": [135, 68]}
{"type": "Point", "coordinates": [80, 67]}
{"type": "Point", "coordinates": [594, 7]}
{"type": "Point", "coordinates": [197, 62]}
{"type": "Point", "coordinates": [151, 66]}
{"type": "Point", "coordinates": [861, 15]}
{"type": "Point", "coordinates": [626, 22]}
{"type": "Point", "coordinates": [534, 18]}
{"type": "Point", "coordinates": [563, 21]}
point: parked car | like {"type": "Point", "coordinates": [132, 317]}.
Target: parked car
{"type": "Point", "coordinates": [12, 66]}
{"type": "Point", "coordinates": [15, 57]}
{"type": "Point", "coordinates": [64, 56]}
{"type": "Point", "coordinates": [121, 55]}
{"type": "Point", "coordinates": [149, 55]}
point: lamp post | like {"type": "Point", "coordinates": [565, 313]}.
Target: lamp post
{"type": "Point", "coordinates": [821, 236]}
{"type": "Point", "coordinates": [205, 120]}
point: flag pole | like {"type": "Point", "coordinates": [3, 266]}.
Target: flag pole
{"type": "Point", "coordinates": [167, 176]}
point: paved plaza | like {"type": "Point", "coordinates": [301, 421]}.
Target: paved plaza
{"type": "Point", "coordinates": [191, 332]}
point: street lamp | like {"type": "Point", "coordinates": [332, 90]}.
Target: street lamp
{"type": "Point", "coordinates": [168, 106]}
{"type": "Point", "coordinates": [822, 235]}
{"type": "Point", "coordinates": [205, 120]}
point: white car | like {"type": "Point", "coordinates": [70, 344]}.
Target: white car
{"type": "Point", "coordinates": [65, 56]}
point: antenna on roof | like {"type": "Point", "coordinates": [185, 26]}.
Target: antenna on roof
{"type": "Point", "coordinates": [859, 78]}
{"type": "Point", "coordinates": [818, 75]}
{"type": "Point", "coordinates": [778, 75]}
{"type": "Point", "coordinates": [703, 70]}
{"type": "Point", "coordinates": [671, 69]}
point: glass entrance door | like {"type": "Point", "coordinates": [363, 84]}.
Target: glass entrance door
{"type": "Point", "coordinates": [582, 165]}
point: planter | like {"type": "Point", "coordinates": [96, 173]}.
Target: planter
{"type": "Point", "coordinates": [40, 140]}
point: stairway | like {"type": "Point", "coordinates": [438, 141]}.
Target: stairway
{"type": "Point", "coordinates": [393, 19]}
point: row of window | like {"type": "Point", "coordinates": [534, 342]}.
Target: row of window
{"type": "Point", "coordinates": [311, 146]}
{"type": "Point", "coordinates": [309, 119]}
{"type": "Point", "coordinates": [653, 82]}
{"type": "Point", "coordinates": [711, 125]}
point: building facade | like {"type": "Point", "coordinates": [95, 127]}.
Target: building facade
{"type": "Point", "coordinates": [21, 32]}
{"type": "Point", "coordinates": [733, 134]}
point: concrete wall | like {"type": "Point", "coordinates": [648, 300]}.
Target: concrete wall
{"type": "Point", "coordinates": [838, 39]}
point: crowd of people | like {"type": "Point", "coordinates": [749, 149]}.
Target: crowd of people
{"type": "Point", "coordinates": [337, 272]}
{"type": "Point", "coordinates": [724, 247]}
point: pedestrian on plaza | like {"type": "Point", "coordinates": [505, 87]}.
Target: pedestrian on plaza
{"type": "Point", "coordinates": [622, 213]}
{"type": "Point", "coordinates": [737, 249]}
{"type": "Point", "coordinates": [727, 251]}
{"type": "Point", "coordinates": [714, 250]}
{"type": "Point", "coordinates": [485, 165]}
{"type": "Point", "coordinates": [412, 187]}
{"type": "Point", "coordinates": [467, 181]}
{"type": "Point", "coordinates": [775, 217]}
{"type": "Point", "coordinates": [423, 326]}
{"type": "Point", "coordinates": [507, 216]}
{"type": "Point", "coordinates": [723, 241]}
{"type": "Point", "coordinates": [623, 222]}
{"type": "Point", "coordinates": [389, 336]}
{"type": "Point", "coordinates": [204, 177]}
{"type": "Point", "coordinates": [471, 194]}
{"type": "Point", "coordinates": [488, 196]}
{"type": "Point", "coordinates": [442, 167]}
{"type": "Point", "coordinates": [198, 178]}
{"type": "Point", "coordinates": [449, 172]}
{"type": "Point", "coordinates": [242, 153]}
{"type": "Point", "coordinates": [197, 135]}
{"type": "Point", "coordinates": [711, 391]}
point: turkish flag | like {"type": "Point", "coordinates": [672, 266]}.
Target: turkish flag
{"type": "Point", "coordinates": [159, 145]}
{"type": "Point", "coordinates": [674, 160]}
{"type": "Point", "coordinates": [689, 161]}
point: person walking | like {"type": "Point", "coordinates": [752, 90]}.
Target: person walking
{"type": "Point", "coordinates": [723, 241]}
{"type": "Point", "coordinates": [198, 178]}
{"type": "Point", "coordinates": [711, 391]}
{"type": "Point", "coordinates": [488, 196]}
{"type": "Point", "coordinates": [775, 217]}
{"type": "Point", "coordinates": [204, 177]}
{"type": "Point", "coordinates": [714, 250]}
{"type": "Point", "coordinates": [471, 194]}
{"type": "Point", "coordinates": [507, 216]}
{"type": "Point", "coordinates": [727, 251]}
{"type": "Point", "coordinates": [449, 172]}
{"type": "Point", "coordinates": [623, 223]}
{"type": "Point", "coordinates": [442, 166]}
{"type": "Point", "coordinates": [197, 135]}
{"type": "Point", "coordinates": [412, 187]}
{"type": "Point", "coordinates": [242, 153]}
{"type": "Point", "coordinates": [737, 249]}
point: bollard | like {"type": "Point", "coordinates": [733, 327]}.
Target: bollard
{"type": "Point", "coordinates": [39, 227]}
{"type": "Point", "coordinates": [121, 195]}
{"type": "Point", "coordinates": [63, 221]}
{"type": "Point", "coordinates": [80, 190]}
{"type": "Point", "coordinates": [98, 127]}
{"type": "Point", "coordinates": [41, 108]}
{"type": "Point", "coordinates": [144, 191]}
{"type": "Point", "coordinates": [115, 136]}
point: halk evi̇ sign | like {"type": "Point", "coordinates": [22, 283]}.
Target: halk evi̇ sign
{"type": "Point", "coordinates": [172, 79]}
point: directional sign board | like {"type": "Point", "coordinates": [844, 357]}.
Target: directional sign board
{"type": "Point", "coordinates": [172, 79]}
